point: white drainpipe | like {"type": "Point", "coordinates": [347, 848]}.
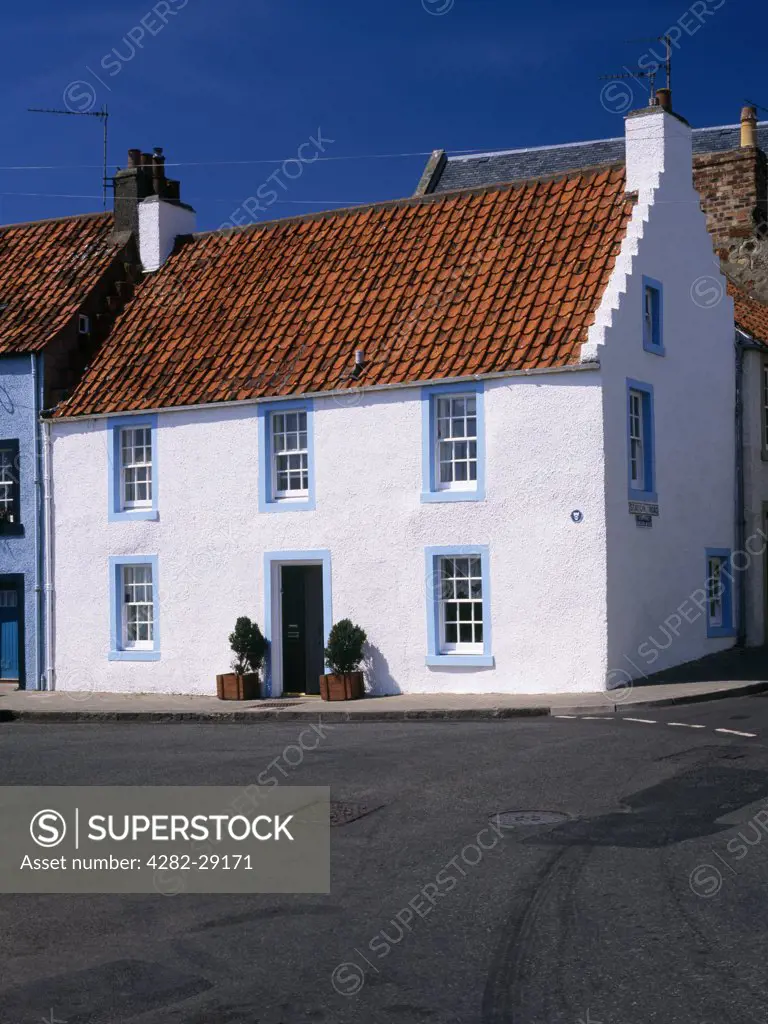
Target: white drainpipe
{"type": "Point", "coordinates": [48, 549]}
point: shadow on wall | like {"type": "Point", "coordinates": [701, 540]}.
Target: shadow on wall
{"type": "Point", "coordinates": [378, 679]}
{"type": "Point", "coordinates": [737, 663]}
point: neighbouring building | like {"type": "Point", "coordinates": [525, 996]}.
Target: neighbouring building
{"type": "Point", "coordinates": [730, 173]}
{"type": "Point", "coordinates": [490, 426]}
{"type": "Point", "coordinates": [62, 282]}
{"type": "Point", "coordinates": [59, 281]}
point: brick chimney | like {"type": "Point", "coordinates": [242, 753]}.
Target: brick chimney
{"type": "Point", "coordinates": [149, 206]}
{"type": "Point", "coordinates": [733, 185]}
{"type": "Point", "coordinates": [143, 177]}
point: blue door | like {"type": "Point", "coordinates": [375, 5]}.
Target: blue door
{"type": "Point", "coordinates": [9, 633]}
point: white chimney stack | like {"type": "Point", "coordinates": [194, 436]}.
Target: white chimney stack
{"type": "Point", "coordinates": [160, 222]}
{"type": "Point", "coordinates": [658, 151]}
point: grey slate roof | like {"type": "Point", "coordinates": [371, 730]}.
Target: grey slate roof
{"type": "Point", "coordinates": [461, 172]}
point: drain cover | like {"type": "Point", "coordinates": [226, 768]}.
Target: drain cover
{"type": "Point", "coordinates": [343, 813]}
{"type": "Point", "coordinates": [278, 703]}
{"type": "Point", "coordinates": [511, 819]}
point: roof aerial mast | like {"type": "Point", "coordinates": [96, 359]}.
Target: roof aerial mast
{"type": "Point", "coordinates": [103, 114]}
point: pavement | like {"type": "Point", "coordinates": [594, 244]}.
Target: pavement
{"type": "Point", "coordinates": [647, 902]}
{"type": "Point", "coordinates": [87, 706]}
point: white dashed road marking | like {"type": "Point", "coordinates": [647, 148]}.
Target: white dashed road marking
{"type": "Point", "coordinates": [654, 721]}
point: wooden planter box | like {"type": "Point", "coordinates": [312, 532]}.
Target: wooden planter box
{"type": "Point", "coordinates": [231, 686]}
{"type": "Point", "coordinates": [348, 686]}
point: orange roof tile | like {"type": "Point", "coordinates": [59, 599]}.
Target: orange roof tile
{"type": "Point", "coordinates": [47, 268]}
{"type": "Point", "coordinates": [750, 314]}
{"type": "Point", "coordinates": [504, 278]}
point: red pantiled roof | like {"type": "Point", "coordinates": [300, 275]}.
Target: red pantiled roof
{"type": "Point", "coordinates": [506, 278]}
{"type": "Point", "coordinates": [47, 268]}
{"type": "Point", "coordinates": [750, 314]}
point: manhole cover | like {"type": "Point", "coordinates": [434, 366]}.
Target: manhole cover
{"type": "Point", "coordinates": [343, 813]}
{"type": "Point", "coordinates": [511, 819]}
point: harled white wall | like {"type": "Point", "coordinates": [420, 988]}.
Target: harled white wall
{"type": "Point", "coordinates": [655, 575]}
{"type": "Point", "coordinates": [544, 460]}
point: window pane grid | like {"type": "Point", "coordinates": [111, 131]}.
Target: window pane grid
{"type": "Point", "coordinates": [290, 454]}
{"type": "Point", "coordinates": [138, 606]}
{"type": "Point", "coordinates": [136, 466]}
{"type": "Point", "coordinates": [636, 440]}
{"type": "Point", "coordinates": [461, 604]}
{"type": "Point", "coordinates": [7, 480]}
{"type": "Point", "coordinates": [456, 442]}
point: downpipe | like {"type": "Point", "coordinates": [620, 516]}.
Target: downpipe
{"type": "Point", "coordinates": [36, 405]}
{"type": "Point", "coordinates": [48, 553]}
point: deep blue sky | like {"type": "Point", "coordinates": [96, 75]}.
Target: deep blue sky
{"type": "Point", "coordinates": [249, 80]}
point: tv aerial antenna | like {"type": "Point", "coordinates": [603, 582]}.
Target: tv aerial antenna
{"type": "Point", "coordinates": [103, 114]}
{"type": "Point", "coordinates": [652, 70]}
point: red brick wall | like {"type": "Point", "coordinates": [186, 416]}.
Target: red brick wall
{"type": "Point", "coordinates": [734, 190]}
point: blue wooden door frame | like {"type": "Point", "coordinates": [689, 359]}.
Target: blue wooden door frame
{"type": "Point", "coordinates": [15, 581]}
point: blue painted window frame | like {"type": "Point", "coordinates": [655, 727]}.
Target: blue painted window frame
{"type": "Point", "coordinates": [321, 555]}
{"type": "Point", "coordinates": [728, 628]}
{"type": "Point", "coordinates": [434, 658]}
{"type": "Point", "coordinates": [429, 395]}
{"type": "Point", "coordinates": [649, 443]}
{"type": "Point", "coordinates": [116, 652]}
{"type": "Point", "coordinates": [653, 340]}
{"type": "Point", "coordinates": [267, 503]}
{"type": "Point", "coordinates": [115, 424]}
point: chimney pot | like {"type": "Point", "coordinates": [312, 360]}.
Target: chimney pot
{"type": "Point", "coordinates": [134, 157]}
{"type": "Point", "coordinates": [664, 99]}
{"type": "Point", "coordinates": [146, 159]}
{"type": "Point", "coordinates": [748, 126]}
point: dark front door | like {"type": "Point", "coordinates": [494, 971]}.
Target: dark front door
{"type": "Point", "coordinates": [10, 628]}
{"type": "Point", "coordinates": [302, 627]}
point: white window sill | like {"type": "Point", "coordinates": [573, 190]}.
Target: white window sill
{"type": "Point", "coordinates": [460, 660]}
{"type": "Point", "coordinates": [134, 654]}
{"type": "Point", "coordinates": [476, 494]}
{"type": "Point", "coordinates": [135, 514]}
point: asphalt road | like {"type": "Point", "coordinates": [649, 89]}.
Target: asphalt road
{"type": "Point", "coordinates": [648, 903]}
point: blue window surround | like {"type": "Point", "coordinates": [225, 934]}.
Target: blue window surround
{"type": "Point", "coordinates": [649, 446]}
{"type": "Point", "coordinates": [266, 502]}
{"type": "Point", "coordinates": [434, 657]}
{"type": "Point", "coordinates": [321, 556]}
{"type": "Point", "coordinates": [727, 628]}
{"type": "Point", "coordinates": [429, 491]}
{"type": "Point", "coordinates": [653, 341]}
{"type": "Point", "coordinates": [116, 511]}
{"type": "Point", "coordinates": [116, 652]}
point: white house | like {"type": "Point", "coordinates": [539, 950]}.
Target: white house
{"type": "Point", "coordinates": [492, 427]}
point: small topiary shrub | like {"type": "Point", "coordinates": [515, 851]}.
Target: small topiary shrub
{"type": "Point", "coordinates": [249, 646]}
{"type": "Point", "coordinates": [345, 647]}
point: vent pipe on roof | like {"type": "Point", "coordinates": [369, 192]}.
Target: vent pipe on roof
{"type": "Point", "coordinates": [748, 127]}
